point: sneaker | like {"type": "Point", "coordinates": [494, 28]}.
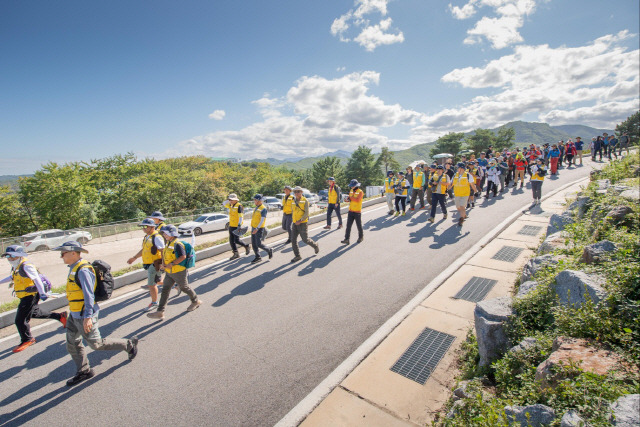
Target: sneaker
{"type": "Point", "coordinates": [133, 351]}
{"type": "Point", "coordinates": [246, 250]}
{"type": "Point", "coordinates": [445, 216]}
{"type": "Point", "coordinates": [473, 204]}
{"type": "Point", "coordinates": [152, 306]}
{"type": "Point", "coordinates": [397, 213]}
{"type": "Point", "coordinates": [235, 255]}
{"type": "Point", "coordinates": [317, 248]}
{"type": "Point", "coordinates": [413, 209]}
{"type": "Point", "coordinates": [296, 258]}
{"type": "Point", "coordinates": [424, 207]}
{"type": "Point", "coordinates": [404, 213]}
{"type": "Point", "coordinates": [431, 219]}
{"type": "Point", "coordinates": [390, 213]}
{"type": "Point", "coordinates": [327, 227]}
{"type": "Point", "coordinates": [80, 376]}
{"type": "Point", "coordinates": [360, 239]}
{"type": "Point", "coordinates": [460, 221]}
{"type": "Point", "coordinates": [345, 242]}
{"type": "Point", "coordinates": [63, 319]}
{"type": "Point", "coordinates": [24, 345]}
{"type": "Point", "coordinates": [270, 253]}
{"type": "Point", "coordinates": [256, 260]}
{"type": "Point", "coordinates": [157, 315]}
{"type": "Point", "coordinates": [194, 305]}
{"type": "Point", "coordinates": [339, 226]}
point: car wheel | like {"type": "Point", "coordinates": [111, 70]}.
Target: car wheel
{"type": "Point", "coordinates": [197, 231]}
{"type": "Point", "coordinates": [42, 248]}
{"type": "Point", "coordinates": [226, 226]}
{"type": "Point", "coordinates": [83, 240]}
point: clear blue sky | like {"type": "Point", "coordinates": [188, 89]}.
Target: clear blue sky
{"type": "Point", "coordinates": [263, 78]}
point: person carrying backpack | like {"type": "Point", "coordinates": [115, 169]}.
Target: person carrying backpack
{"type": "Point", "coordinates": [82, 322]}
{"type": "Point", "coordinates": [539, 171]}
{"type": "Point", "coordinates": [30, 287]}
{"type": "Point", "coordinates": [174, 256]}
{"type": "Point", "coordinates": [151, 253]}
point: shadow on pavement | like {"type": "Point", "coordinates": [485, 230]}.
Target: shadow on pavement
{"type": "Point", "coordinates": [449, 237]}
{"type": "Point", "coordinates": [379, 223]}
{"type": "Point", "coordinates": [325, 259]}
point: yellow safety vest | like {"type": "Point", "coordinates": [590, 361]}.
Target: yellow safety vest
{"type": "Point", "coordinates": [537, 177]}
{"type": "Point", "coordinates": [20, 284]}
{"type": "Point", "coordinates": [403, 191]}
{"type": "Point", "coordinates": [74, 291]}
{"type": "Point", "coordinates": [147, 249]}
{"type": "Point", "coordinates": [355, 206]}
{"type": "Point", "coordinates": [417, 179]}
{"type": "Point", "coordinates": [389, 183]}
{"type": "Point", "coordinates": [234, 215]}
{"type": "Point", "coordinates": [441, 183]}
{"type": "Point", "coordinates": [287, 203]}
{"type": "Point", "coordinates": [257, 216]}
{"type": "Point", "coordinates": [298, 209]}
{"type": "Point", "coordinates": [160, 225]}
{"type": "Point", "coordinates": [170, 256]}
{"type": "Point", "coordinates": [461, 185]}
{"type": "Point", "coordinates": [333, 195]}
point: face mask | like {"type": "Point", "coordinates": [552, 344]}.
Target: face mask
{"type": "Point", "coordinates": [15, 263]}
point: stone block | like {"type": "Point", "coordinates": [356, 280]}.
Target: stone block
{"type": "Point", "coordinates": [597, 252]}
{"type": "Point", "coordinates": [530, 416]}
{"type": "Point", "coordinates": [490, 317]}
{"type": "Point", "coordinates": [626, 411]}
{"type": "Point", "coordinates": [552, 242]}
{"type": "Point", "coordinates": [536, 264]}
{"type": "Point", "coordinates": [575, 287]}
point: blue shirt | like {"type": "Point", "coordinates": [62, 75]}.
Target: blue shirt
{"type": "Point", "coordinates": [87, 281]}
{"type": "Point", "coordinates": [579, 145]}
{"type": "Point", "coordinates": [554, 153]}
{"type": "Point", "coordinates": [483, 163]}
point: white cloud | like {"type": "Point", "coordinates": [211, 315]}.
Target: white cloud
{"type": "Point", "coordinates": [217, 115]}
{"type": "Point", "coordinates": [501, 31]}
{"type": "Point", "coordinates": [369, 35]}
{"type": "Point", "coordinates": [327, 115]}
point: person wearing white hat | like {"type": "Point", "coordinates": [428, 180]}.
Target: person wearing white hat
{"type": "Point", "coordinates": [29, 287]}
{"type": "Point", "coordinates": [83, 321]}
{"type": "Point", "coordinates": [236, 217]}
{"type": "Point", "coordinates": [151, 253]}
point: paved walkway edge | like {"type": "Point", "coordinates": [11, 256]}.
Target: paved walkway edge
{"type": "Point", "coordinates": [322, 390]}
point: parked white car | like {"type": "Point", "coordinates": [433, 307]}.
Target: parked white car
{"type": "Point", "coordinates": [47, 239]}
{"type": "Point", "coordinates": [204, 223]}
{"type": "Point", "coordinates": [272, 203]}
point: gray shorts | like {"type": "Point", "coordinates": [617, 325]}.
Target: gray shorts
{"type": "Point", "coordinates": [461, 201]}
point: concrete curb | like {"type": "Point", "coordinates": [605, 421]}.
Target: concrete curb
{"type": "Point", "coordinates": [322, 390]}
{"type": "Point", "coordinates": [8, 318]}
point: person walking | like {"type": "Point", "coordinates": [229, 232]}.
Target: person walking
{"type": "Point", "coordinates": [493, 173]}
{"type": "Point", "coordinates": [151, 253]}
{"type": "Point", "coordinates": [539, 171]}
{"type": "Point", "coordinates": [579, 149]}
{"type": "Point", "coordinates": [287, 211]}
{"type": "Point", "coordinates": [569, 152]}
{"type": "Point", "coordinates": [84, 312]}
{"type": "Point", "coordinates": [334, 196]}
{"type": "Point", "coordinates": [554, 155]}
{"type": "Point", "coordinates": [439, 184]}
{"type": "Point", "coordinates": [430, 174]}
{"type": "Point", "coordinates": [611, 147]}
{"type": "Point", "coordinates": [521, 165]}
{"type": "Point", "coordinates": [482, 164]}
{"type": "Point", "coordinates": [173, 254]}
{"type": "Point", "coordinates": [504, 170]}
{"type": "Point", "coordinates": [448, 169]}
{"type": "Point", "coordinates": [417, 191]}
{"type": "Point", "coordinates": [389, 191]}
{"type": "Point", "coordinates": [623, 143]}
{"type": "Point", "coordinates": [561, 148]}
{"type": "Point", "coordinates": [473, 171]}
{"type": "Point", "coordinates": [30, 289]}
{"type": "Point", "coordinates": [402, 187]}
{"type": "Point", "coordinates": [258, 223]}
{"type": "Point", "coordinates": [236, 218]}
{"type": "Point", "coordinates": [463, 185]}
{"type": "Point", "coordinates": [409, 177]}
{"type": "Point", "coordinates": [355, 211]}
{"type": "Point", "coordinates": [300, 226]}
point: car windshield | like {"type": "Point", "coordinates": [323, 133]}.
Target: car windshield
{"type": "Point", "coordinates": [201, 219]}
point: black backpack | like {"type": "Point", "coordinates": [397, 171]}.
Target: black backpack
{"type": "Point", "coordinates": [104, 280]}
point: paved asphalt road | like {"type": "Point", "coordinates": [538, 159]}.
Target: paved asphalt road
{"type": "Point", "coordinates": [265, 336]}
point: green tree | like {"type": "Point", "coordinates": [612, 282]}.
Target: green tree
{"type": "Point", "coordinates": [631, 126]}
{"type": "Point", "coordinates": [15, 219]}
{"type": "Point", "coordinates": [480, 140]}
{"type": "Point", "coordinates": [450, 143]}
{"type": "Point", "coordinates": [504, 139]}
{"type": "Point", "coordinates": [324, 168]}
{"type": "Point", "coordinates": [387, 161]}
{"type": "Point", "coordinates": [362, 165]}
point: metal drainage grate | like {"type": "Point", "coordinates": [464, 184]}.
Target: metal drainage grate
{"type": "Point", "coordinates": [530, 230]}
{"type": "Point", "coordinates": [423, 355]}
{"type": "Point", "coordinates": [542, 214]}
{"type": "Point", "coordinates": [476, 289]}
{"type": "Point", "coordinates": [508, 254]}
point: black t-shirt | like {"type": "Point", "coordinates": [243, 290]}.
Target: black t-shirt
{"type": "Point", "coordinates": [178, 249]}
{"type": "Point", "coordinates": [450, 172]}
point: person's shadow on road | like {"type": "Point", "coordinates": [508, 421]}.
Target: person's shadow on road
{"type": "Point", "coordinates": [324, 260]}
{"type": "Point", "coordinates": [449, 237]}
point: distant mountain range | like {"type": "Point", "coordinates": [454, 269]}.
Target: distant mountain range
{"type": "Point", "coordinates": [526, 133]}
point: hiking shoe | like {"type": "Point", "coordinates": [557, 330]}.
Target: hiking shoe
{"type": "Point", "coordinates": [194, 305]}
{"type": "Point", "coordinates": [345, 242]}
{"type": "Point", "coordinates": [133, 351]}
{"type": "Point", "coordinates": [317, 248]}
{"type": "Point", "coordinates": [296, 258]}
{"type": "Point", "coordinates": [63, 319]}
{"type": "Point", "coordinates": [424, 207]}
{"type": "Point", "coordinates": [339, 226]}
{"type": "Point", "coordinates": [157, 315]}
{"type": "Point", "coordinates": [235, 255]}
{"type": "Point", "coordinates": [270, 253]}
{"type": "Point", "coordinates": [246, 250]}
{"type": "Point", "coordinates": [327, 227]}
{"type": "Point", "coordinates": [404, 213]}
{"type": "Point", "coordinates": [397, 213]}
{"type": "Point", "coordinates": [413, 209]}
{"type": "Point", "coordinates": [256, 260]}
{"type": "Point", "coordinates": [80, 376]}
{"type": "Point", "coordinates": [24, 345]}
{"type": "Point", "coordinates": [390, 213]}
{"type": "Point", "coordinates": [431, 219]}
{"type": "Point", "coordinates": [445, 216]}
{"type": "Point", "coordinates": [152, 306]}
{"type": "Point", "coordinates": [460, 221]}
{"type": "Point", "coordinates": [360, 239]}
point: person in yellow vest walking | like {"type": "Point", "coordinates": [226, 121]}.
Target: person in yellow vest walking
{"type": "Point", "coordinates": [355, 211]}
{"type": "Point", "coordinates": [538, 171]}
{"type": "Point", "coordinates": [402, 187]}
{"type": "Point", "coordinates": [419, 181]}
{"type": "Point", "coordinates": [287, 211]}
{"type": "Point", "coordinates": [439, 183]}
{"type": "Point", "coordinates": [334, 198]}
{"type": "Point", "coordinates": [300, 225]}
{"type": "Point", "coordinates": [83, 320]}
{"type": "Point", "coordinates": [236, 217]}
{"type": "Point", "coordinates": [464, 185]}
{"type": "Point", "coordinates": [151, 253]}
{"type": "Point", "coordinates": [389, 191]}
{"type": "Point", "coordinates": [258, 223]}
{"type": "Point", "coordinates": [30, 289]}
{"type": "Point", "coordinates": [172, 255]}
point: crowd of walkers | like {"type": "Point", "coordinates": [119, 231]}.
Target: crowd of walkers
{"type": "Point", "coordinates": [163, 253]}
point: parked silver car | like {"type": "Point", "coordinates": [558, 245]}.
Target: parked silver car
{"type": "Point", "coordinates": [204, 223]}
{"type": "Point", "coordinates": [46, 239]}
